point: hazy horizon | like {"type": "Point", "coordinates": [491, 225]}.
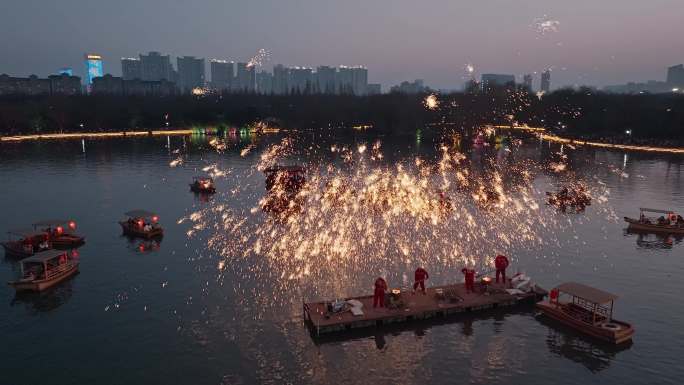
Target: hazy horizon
{"type": "Point", "coordinates": [614, 41]}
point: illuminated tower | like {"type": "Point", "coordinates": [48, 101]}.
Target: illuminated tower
{"type": "Point", "coordinates": [94, 69]}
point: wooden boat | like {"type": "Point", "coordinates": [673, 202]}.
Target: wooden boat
{"type": "Point", "coordinates": [670, 222]}
{"type": "Point", "coordinates": [589, 311]}
{"type": "Point", "coordinates": [61, 233]}
{"type": "Point", "coordinates": [24, 243]}
{"type": "Point", "coordinates": [202, 184]}
{"type": "Point", "coordinates": [142, 224]}
{"type": "Point", "coordinates": [45, 270]}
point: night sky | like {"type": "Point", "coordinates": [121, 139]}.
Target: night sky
{"type": "Point", "coordinates": [594, 42]}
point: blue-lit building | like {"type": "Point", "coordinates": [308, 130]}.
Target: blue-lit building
{"type": "Point", "coordinates": [93, 67]}
{"type": "Point", "coordinates": [65, 71]}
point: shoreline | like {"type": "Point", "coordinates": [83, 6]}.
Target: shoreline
{"type": "Point", "coordinates": [539, 131]}
{"type": "Point", "coordinates": [93, 135]}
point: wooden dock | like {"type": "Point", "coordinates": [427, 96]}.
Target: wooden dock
{"type": "Point", "coordinates": [438, 301]}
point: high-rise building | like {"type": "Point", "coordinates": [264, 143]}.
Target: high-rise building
{"type": "Point", "coordinates": [325, 80]}
{"type": "Point", "coordinates": [352, 80]}
{"type": "Point", "coordinates": [222, 74]}
{"type": "Point", "coordinates": [374, 89]}
{"type": "Point", "coordinates": [546, 81]}
{"type": "Point", "coordinates": [245, 78]}
{"type": "Point", "coordinates": [489, 81]}
{"type": "Point", "coordinates": [359, 80]}
{"type": "Point", "coordinates": [191, 73]}
{"type": "Point", "coordinates": [527, 82]}
{"type": "Point", "coordinates": [281, 76]}
{"type": "Point", "coordinates": [131, 68]}
{"type": "Point", "coordinates": [675, 76]}
{"type": "Point", "coordinates": [156, 67]}
{"type": "Point", "coordinates": [301, 80]}
{"type": "Point", "coordinates": [264, 83]}
{"type": "Point", "coordinates": [94, 67]}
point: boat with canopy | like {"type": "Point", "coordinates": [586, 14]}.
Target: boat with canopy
{"type": "Point", "coordinates": [22, 243]}
{"type": "Point", "coordinates": [669, 222]}
{"type": "Point", "coordinates": [61, 232]}
{"type": "Point", "coordinates": [587, 310]}
{"type": "Point", "coordinates": [45, 270]}
{"type": "Point", "coordinates": [203, 184]}
{"type": "Point", "coordinates": [141, 223]}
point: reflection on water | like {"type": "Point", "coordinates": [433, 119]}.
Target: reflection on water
{"type": "Point", "coordinates": [645, 240]}
{"type": "Point", "coordinates": [566, 342]}
{"type": "Point", "coordinates": [213, 316]}
{"type": "Point", "coordinates": [45, 301]}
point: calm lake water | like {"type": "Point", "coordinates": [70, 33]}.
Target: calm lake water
{"type": "Point", "coordinates": [141, 313]}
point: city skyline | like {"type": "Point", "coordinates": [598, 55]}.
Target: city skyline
{"type": "Point", "coordinates": [581, 42]}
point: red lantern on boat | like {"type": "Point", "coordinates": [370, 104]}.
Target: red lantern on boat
{"type": "Point", "coordinates": [60, 230]}
{"type": "Point", "coordinates": [72, 225]}
{"type": "Point", "coordinates": [140, 223]}
{"type": "Point", "coordinates": [155, 219]}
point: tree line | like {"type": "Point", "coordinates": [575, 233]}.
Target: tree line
{"type": "Point", "coordinates": [582, 113]}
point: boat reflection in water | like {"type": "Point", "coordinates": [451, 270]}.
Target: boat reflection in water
{"type": "Point", "coordinates": [591, 353]}
{"type": "Point", "coordinates": [46, 301]}
{"type": "Point", "coordinates": [651, 241]}
{"type": "Point", "coordinates": [143, 245]}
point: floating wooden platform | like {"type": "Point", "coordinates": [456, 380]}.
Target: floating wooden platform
{"type": "Point", "coordinates": [416, 306]}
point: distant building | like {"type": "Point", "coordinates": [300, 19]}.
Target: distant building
{"type": "Point", "coordinates": [65, 84]}
{"type": "Point", "coordinates": [675, 76]}
{"type": "Point", "coordinates": [651, 86]}
{"type": "Point", "coordinates": [489, 81]}
{"type": "Point", "coordinates": [113, 85]}
{"type": "Point", "coordinates": [374, 89]}
{"type": "Point", "coordinates": [32, 85]}
{"type": "Point", "coordinates": [301, 80]}
{"type": "Point", "coordinates": [545, 85]}
{"type": "Point", "coordinates": [66, 71]}
{"type": "Point", "coordinates": [156, 67]}
{"type": "Point", "coordinates": [222, 74]}
{"type": "Point", "coordinates": [351, 80]}
{"type": "Point", "coordinates": [94, 67]}
{"type": "Point", "coordinates": [281, 76]}
{"type": "Point", "coordinates": [245, 78]}
{"type": "Point", "coordinates": [325, 79]}
{"type": "Point", "coordinates": [131, 68]}
{"type": "Point", "coordinates": [527, 82]}
{"type": "Point", "coordinates": [264, 83]}
{"type": "Point", "coordinates": [414, 87]}
{"type": "Point", "coordinates": [191, 73]}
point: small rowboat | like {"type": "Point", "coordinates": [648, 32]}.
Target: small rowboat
{"type": "Point", "coordinates": [669, 222]}
{"type": "Point", "coordinates": [142, 224]}
{"type": "Point", "coordinates": [61, 233]}
{"type": "Point", "coordinates": [45, 270]}
{"type": "Point", "coordinates": [204, 185]}
{"type": "Point", "coordinates": [25, 242]}
{"type": "Point", "coordinates": [589, 311]}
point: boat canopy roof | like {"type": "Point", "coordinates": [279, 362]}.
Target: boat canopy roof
{"type": "Point", "coordinates": [284, 168]}
{"type": "Point", "coordinates": [26, 233]}
{"type": "Point", "coordinates": [44, 256]}
{"type": "Point", "coordinates": [140, 214]}
{"type": "Point", "coordinates": [52, 222]}
{"type": "Point", "coordinates": [657, 211]}
{"type": "Point", "coordinates": [586, 292]}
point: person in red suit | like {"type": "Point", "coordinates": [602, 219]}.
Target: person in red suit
{"type": "Point", "coordinates": [379, 294]}
{"type": "Point", "coordinates": [469, 279]}
{"type": "Point", "coordinates": [420, 276]}
{"type": "Point", "coordinates": [501, 263]}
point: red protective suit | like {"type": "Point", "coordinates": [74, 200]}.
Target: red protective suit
{"type": "Point", "coordinates": [379, 294]}
{"type": "Point", "coordinates": [469, 279]}
{"type": "Point", "coordinates": [501, 263]}
{"type": "Point", "coordinates": [420, 276]}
